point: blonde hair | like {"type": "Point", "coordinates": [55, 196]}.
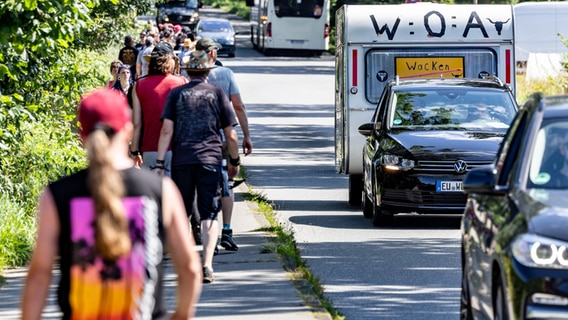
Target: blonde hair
{"type": "Point", "coordinates": [112, 238]}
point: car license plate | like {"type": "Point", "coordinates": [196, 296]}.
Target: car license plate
{"type": "Point", "coordinates": [449, 186]}
{"type": "Point", "coordinates": [297, 41]}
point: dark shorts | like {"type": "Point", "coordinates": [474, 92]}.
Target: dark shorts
{"type": "Point", "coordinates": [202, 184]}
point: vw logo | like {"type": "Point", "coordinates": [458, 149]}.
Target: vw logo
{"type": "Point", "coordinates": [460, 166]}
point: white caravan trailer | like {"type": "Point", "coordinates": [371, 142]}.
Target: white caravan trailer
{"type": "Point", "coordinates": [377, 43]}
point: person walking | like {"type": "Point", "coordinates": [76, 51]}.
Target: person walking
{"type": "Point", "coordinates": [141, 62]}
{"type": "Point", "coordinates": [193, 117]}
{"type": "Point", "coordinates": [110, 225]}
{"type": "Point", "coordinates": [223, 77]}
{"type": "Point", "coordinates": [128, 54]}
{"type": "Point", "coordinates": [114, 72]}
{"type": "Point", "coordinates": [148, 98]}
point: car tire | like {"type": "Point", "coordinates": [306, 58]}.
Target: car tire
{"type": "Point", "coordinates": [465, 300]}
{"type": "Point", "coordinates": [380, 217]}
{"type": "Point", "coordinates": [231, 55]}
{"type": "Point", "coordinates": [355, 189]}
{"type": "Point", "coordinates": [499, 306]}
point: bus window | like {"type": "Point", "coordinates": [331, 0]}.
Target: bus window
{"type": "Point", "coordinates": [298, 8]}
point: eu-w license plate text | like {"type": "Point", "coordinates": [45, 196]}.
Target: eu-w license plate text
{"type": "Point", "coordinates": [449, 186]}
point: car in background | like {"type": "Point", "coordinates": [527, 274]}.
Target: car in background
{"type": "Point", "coordinates": [182, 12]}
{"type": "Point", "coordinates": [515, 225]}
{"type": "Point", "coordinates": [221, 31]}
{"type": "Point", "coordinates": [424, 136]}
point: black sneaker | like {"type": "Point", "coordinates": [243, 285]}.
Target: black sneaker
{"type": "Point", "coordinates": [208, 275]}
{"type": "Point", "coordinates": [197, 235]}
{"type": "Point", "coordinates": [227, 240]}
{"type": "Point", "coordinates": [235, 183]}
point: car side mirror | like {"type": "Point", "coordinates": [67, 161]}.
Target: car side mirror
{"type": "Point", "coordinates": [367, 129]}
{"type": "Point", "coordinates": [200, 4]}
{"type": "Point", "coordinates": [482, 181]}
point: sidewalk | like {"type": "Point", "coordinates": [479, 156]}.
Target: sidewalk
{"type": "Point", "coordinates": [248, 284]}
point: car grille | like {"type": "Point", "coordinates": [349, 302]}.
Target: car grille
{"type": "Point", "coordinates": [423, 198]}
{"type": "Point", "coordinates": [446, 166]}
{"type": "Point", "coordinates": [179, 18]}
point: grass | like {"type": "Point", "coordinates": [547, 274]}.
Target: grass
{"type": "Point", "coordinates": [284, 246]}
{"type": "Point", "coordinates": [550, 86]}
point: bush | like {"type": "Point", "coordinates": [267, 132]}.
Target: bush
{"type": "Point", "coordinates": [550, 86]}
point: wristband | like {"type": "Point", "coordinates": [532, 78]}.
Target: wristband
{"type": "Point", "coordinates": [134, 153]}
{"type": "Point", "coordinates": [235, 162]}
{"type": "Point", "coordinates": [162, 162]}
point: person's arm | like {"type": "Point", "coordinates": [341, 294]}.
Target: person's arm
{"type": "Point", "coordinates": [181, 247]}
{"type": "Point", "coordinates": [241, 112]}
{"type": "Point", "coordinates": [137, 123]}
{"type": "Point", "coordinates": [39, 274]}
{"type": "Point", "coordinates": [233, 148]}
{"type": "Point", "coordinates": [166, 134]}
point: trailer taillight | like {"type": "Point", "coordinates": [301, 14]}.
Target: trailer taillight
{"type": "Point", "coordinates": [326, 31]}
{"type": "Point", "coordinates": [269, 29]}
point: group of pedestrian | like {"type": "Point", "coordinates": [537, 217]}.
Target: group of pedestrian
{"type": "Point", "coordinates": [156, 162]}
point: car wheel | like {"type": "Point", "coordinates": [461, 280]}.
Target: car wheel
{"type": "Point", "coordinates": [380, 217]}
{"type": "Point", "coordinates": [355, 189]}
{"type": "Point", "coordinates": [465, 301]}
{"type": "Point", "coordinates": [231, 55]}
{"type": "Point", "coordinates": [499, 306]}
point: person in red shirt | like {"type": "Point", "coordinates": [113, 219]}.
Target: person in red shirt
{"type": "Point", "coordinates": [148, 99]}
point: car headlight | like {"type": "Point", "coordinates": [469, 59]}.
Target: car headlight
{"type": "Point", "coordinates": [229, 40]}
{"type": "Point", "coordinates": [540, 252]}
{"type": "Point", "coordinates": [397, 163]}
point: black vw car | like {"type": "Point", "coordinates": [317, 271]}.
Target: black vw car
{"type": "Point", "coordinates": [515, 226]}
{"type": "Point", "coordinates": [423, 137]}
{"type": "Point", "coordinates": [182, 12]}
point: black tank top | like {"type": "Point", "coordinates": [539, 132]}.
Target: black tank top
{"type": "Point", "coordinates": [95, 288]}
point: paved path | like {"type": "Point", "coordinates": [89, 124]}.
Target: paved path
{"type": "Point", "coordinates": [248, 284]}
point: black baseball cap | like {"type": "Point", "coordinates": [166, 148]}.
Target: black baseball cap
{"type": "Point", "coordinates": [161, 49]}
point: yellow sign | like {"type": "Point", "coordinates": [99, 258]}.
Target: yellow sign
{"type": "Point", "coordinates": [429, 67]}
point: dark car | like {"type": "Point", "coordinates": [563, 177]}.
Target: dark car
{"type": "Point", "coordinates": [423, 137]}
{"type": "Point", "coordinates": [515, 226]}
{"type": "Point", "coordinates": [182, 12]}
{"type": "Point", "coordinates": [221, 31]}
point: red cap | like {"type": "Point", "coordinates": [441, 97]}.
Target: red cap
{"type": "Point", "coordinates": [177, 27]}
{"type": "Point", "coordinates": [104, 106]}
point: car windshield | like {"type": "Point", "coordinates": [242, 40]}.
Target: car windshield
{"type": "Point", "coordinates": [181, 3]}
{"type": "Point", "coordinates": [451, 109]}
{"type": "Point", "coordinates": [548, 167]}
{"type": "Point", "coordinates": [214, 26]}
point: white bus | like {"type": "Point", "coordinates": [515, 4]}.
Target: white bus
{"type": "Point", "coordinates": [289, 25]}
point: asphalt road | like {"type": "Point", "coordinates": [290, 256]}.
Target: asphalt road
{"type": "Point", "coordinates": [408, 271]}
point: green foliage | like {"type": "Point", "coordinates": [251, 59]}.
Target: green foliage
{"type": "Point", "coordinates": [550, 86]}
{"type": "Point", "coordinates": [51, 53]}
{"type": "Point", "coordinates": [16, 238]}
{"type": "Point", "coordinates": [237, 7]}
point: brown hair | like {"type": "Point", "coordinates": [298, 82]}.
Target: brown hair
{"type": "Point", "coordinates": [116, 63]}
{"type": "Point", "coordinates": [112, 238]}
{"type": "Point", "coordinates": [163, 65]}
